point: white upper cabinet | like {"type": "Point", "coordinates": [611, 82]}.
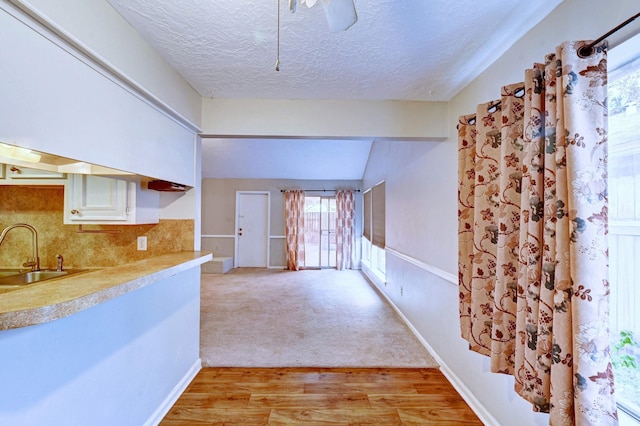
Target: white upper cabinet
{"type": "Point", "coordinates": [55, 99]}
{"type": "Point", "coordinates": [18, 175]}
{"type": "Point", "coordinates": [93, 199]}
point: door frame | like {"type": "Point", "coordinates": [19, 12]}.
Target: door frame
{"type": "Point", "coordinates": [235, 230]}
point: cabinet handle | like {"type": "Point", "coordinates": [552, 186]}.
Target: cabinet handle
{"type": "Point", "coordinates": [14, 169]}
{"type": "Point", "coordinates": [74, 211]}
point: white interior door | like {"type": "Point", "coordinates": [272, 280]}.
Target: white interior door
{"type": "Point", "coordinates": [252, 229]}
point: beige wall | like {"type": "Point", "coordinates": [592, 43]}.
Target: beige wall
{"type": "Point", "coordinates": [219, 203]}
{"type": "Point", "coordinates": [415, 120]}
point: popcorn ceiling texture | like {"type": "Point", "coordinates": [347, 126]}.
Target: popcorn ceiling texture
{"type": "Point", "coordinates": [400, 50]}
{"type": "Point", "coordinates": [42, 207]}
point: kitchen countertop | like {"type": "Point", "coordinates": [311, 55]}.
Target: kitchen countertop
{"type": "Point", "coordinates": [60, 297]}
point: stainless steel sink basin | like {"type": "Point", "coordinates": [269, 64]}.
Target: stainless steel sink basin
{"type": "Point", "coordinates": [19, 279]}
{"type": "Point", "coordinates": [8, 272]}
{"type": "Point", "coordinates": [31, 277]}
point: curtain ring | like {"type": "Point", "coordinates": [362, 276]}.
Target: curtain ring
{"type": "Point", "coordinates": [585, 51]}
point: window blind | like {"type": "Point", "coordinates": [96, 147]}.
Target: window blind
{"type": "Point", "coordinates": [377, 215]}
{"type": "Point", "coordinates": [366, 227]}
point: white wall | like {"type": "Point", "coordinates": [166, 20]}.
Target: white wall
{"type": "Point", "coordinates": [118, 362]}
{"type": "Point", "coordinates": [112, 364]}
{"type": "Point", "coordinates": [186, 205]}
{"type": "Point", "coordinates": [412, 169]}
{"type": "Point", "coordinates": [421, 209]}
{"type": "Point", "coordinates": [57, 101]}
{"type": "Point", "coordinates": [97, 25]}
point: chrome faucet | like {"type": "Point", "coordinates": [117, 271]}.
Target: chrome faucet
{"type": "Point", "coordinates": [60, 260]}
{"type": "Point", "coordinates": [35, 262]}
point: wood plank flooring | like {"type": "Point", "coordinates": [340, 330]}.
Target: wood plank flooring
{"type": "Point", "coordinates": [320, 396]}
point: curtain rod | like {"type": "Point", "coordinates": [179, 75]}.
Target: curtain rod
{"type": "Point", "coordinates": [319, 190]}
{"type": "Point", "coordinates": [588, 49]}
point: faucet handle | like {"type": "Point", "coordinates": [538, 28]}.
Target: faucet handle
{"type": "Point", "coordinates": [60, 260]}
{"type": "Point", "coordinates": [30, 263]}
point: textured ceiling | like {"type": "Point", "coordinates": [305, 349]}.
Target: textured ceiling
{"type": "Point", "coordinates": [402, 49]}
{"type": "Point", "coordinates": [398, 50]}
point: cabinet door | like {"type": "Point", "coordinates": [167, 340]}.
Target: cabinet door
{"type": "Point", "coordinates": [95, 198]}
{"type": "Point", "coordinates": [19, 172]}
{"type": "Point", "coordinates": [11, 174]}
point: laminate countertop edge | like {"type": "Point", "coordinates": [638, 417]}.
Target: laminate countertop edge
{"type": "Point", "coordinates": [54, 299]}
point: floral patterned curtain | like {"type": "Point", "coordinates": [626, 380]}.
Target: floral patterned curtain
{"type": "Point", "coordinates": [533, 249]}
{"type": "Point", "coordinates": [345, 229]}
{"type": "Point", "coordinates": [294, 228]}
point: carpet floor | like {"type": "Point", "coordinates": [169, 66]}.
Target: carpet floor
{"type": "Point", "coordinates": [312, 318]}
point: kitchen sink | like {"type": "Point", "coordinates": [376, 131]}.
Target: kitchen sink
{"type": "Point", "coordinates": [8, 272]}
{"type": "Point", "coordinates": [18, 278]}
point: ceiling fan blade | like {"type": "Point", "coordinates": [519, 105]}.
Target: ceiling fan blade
{"type": "Point", "coordinates": [341, 14]}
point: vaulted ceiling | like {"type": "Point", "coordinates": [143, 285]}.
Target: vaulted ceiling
{"type": "Point", "coordinates": [397, 50]}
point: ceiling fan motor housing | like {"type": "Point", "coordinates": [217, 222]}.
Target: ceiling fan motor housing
{"type": "Point", "coordinates": [341, 14]}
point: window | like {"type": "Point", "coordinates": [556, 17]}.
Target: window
{"type": "Point", "coordinates": [366, 229]}
{"type": "Point", "coordinates": [378, 215]}
{"type": "Point", "coordinates": [373, 243]}
{"type": "Point", "coordinates": [320, 232]}
{"type": "Point", "coordinates": [378, 260]}
{"type": "Point", "coordinates": [624, 222]}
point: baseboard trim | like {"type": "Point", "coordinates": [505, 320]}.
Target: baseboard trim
{"type": "Point", "coordinates": [483, 414]}
{"type": "Point", "coordinates": [173, 396]}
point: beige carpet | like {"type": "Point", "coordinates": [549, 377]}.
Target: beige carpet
{"type": "Point", "coordinates": [274, 318]}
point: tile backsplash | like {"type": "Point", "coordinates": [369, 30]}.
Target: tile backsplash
{"type": "Point", "coordinates": [42, 208]}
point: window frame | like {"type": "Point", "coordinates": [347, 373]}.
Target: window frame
{"type": "Point", "coordinates": [374, 228]}
{"type": "Point", "coordinates": [624, 60]}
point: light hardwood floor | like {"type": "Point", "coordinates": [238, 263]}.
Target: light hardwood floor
{"type": "Point", "coordinates": [320, 396]}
